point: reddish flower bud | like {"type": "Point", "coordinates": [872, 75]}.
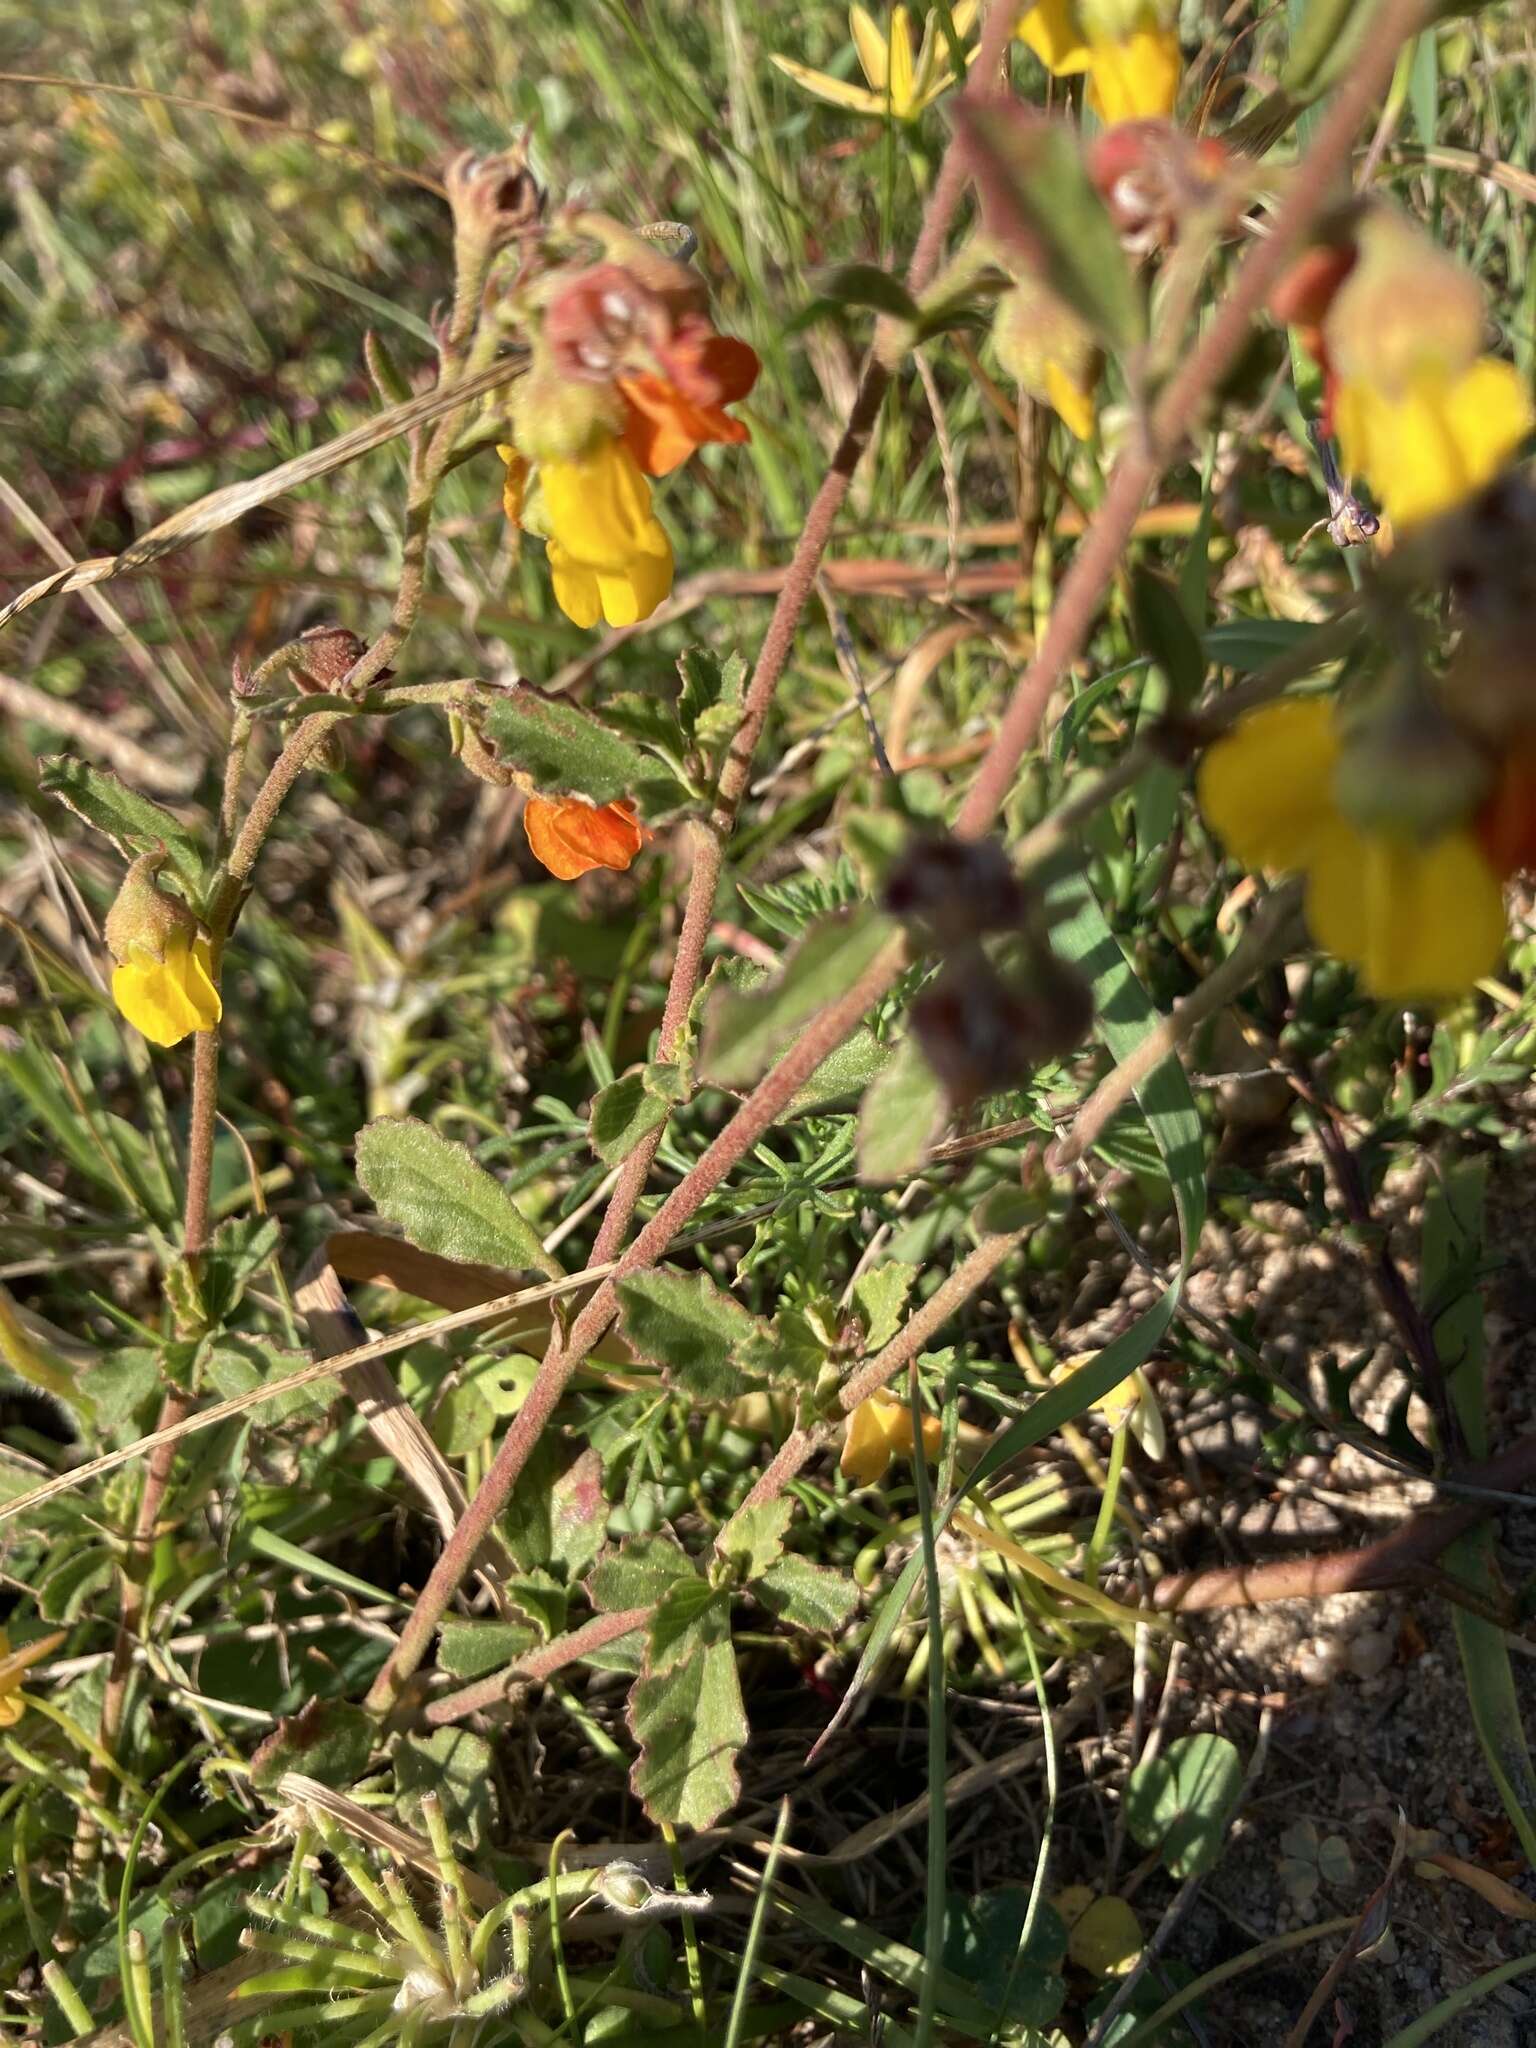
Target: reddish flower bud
{"type": "Point", "coordinates": [1151, 177]}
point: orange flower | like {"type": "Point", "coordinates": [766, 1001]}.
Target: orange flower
{"type": "Point", "coordinates": [571, 837]}
{"type": "Point", "coordinates": [670, 415]}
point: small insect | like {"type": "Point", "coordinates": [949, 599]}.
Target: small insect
{"type": "Point", "coordinates": [1349, 524]}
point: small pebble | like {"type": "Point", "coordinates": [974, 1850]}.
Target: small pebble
{"type": "Point", "coordinates": [1370, 1653]}
{"type": "Point", "coordinates": [1319, 1660]}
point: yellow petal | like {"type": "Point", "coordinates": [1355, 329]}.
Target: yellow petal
{"type": "Point", "coordinates": [1434, 917]}
{"type": "Point", "coordinates": [867, 1444]}
{"type": "Point", "coordinates": [1135, 79]}
{"type": "Point", "coordinates": [1426, 451]}
{"type": "Point", "coordinates": [575, 587]}
{"type": "Point", "coordinates": [1052, 30]}
{"type": "Point", "coordinates": [598, 506]}
{"type": "Point", "coordinates": [901, 64]}
{"type": "Point", "coordinates": [1069, 400]}
{"type": "Point", "coordinates": [877, 1429]}
{"type": "Point", "coordinates": [1267, 788]}
{"type": "Point", "coordinates": [1106, 1938]}
{"type": "Point", "coordinates": [171, 998]}
{"type": "Point", "coordinates": [870, 44]}
{"type": "Point", "coordinates": [13, 1663]}
{"type": "Point", "coordinates": [837, 91]}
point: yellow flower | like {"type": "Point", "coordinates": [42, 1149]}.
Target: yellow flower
{"type": "Point", "coordinates": [12, 1664]}
{"type": "Point", "coordinates": [609, 557]}
{"type": "Point", "coordinates": [1446, 434]}
{"type": "Point", "coordinates": [163, 981]}
{"type": "Point", "coordinates": [1420, 915]}
{"type": "Point", "coordinates": [879, 1429]}
{"type": "Point", "coordinates": [900, 84]}
{"type": "Point", "coordinates": [1420, 411]}
{"type": "Point", "coordinates": [1130, 1401]}
{"type": "Point", "coordinates": [1129, 49]}
{"type": "Point", "coordinates": [169, 997]}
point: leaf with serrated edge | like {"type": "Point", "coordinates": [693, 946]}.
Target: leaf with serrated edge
{"type": "Point", "coordinates": [568, 752]}
{"type": "Point", "coordinates": [685, 1324]}
{"type": "Point", "coordinates": [638, 1574]}
{"type": "Point", "coordinates": [806, 1595]}
{"type": "Point", "coordinates": [753, 1539]}
{"type": "Point", "coordinates": [137, 825]}
{"type": "Point", "coordinates": [443, 1200]}
{"type": "Point", "coordinates": [745, 1031]}
{"type": "Point", "coordinates": [690, 1725]}
{"type": "Point", "coordinates": [631, 1107]}
{"type": "Point", "coordinates": [880, 1296]}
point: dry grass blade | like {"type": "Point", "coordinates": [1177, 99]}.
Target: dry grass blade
{"type": "Point", "coordinates": [334, 1329]}
{"type": "Point", "coordinates": [222, 507]}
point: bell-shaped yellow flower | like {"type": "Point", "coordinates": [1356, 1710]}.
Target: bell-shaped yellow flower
{"type": "Point", "coordinates": [1420, 915]}
{"type": "Point", "coordinates": [900, 83]}
{"type": "Point", "coordinates": [13, 1664]}
{"type": "Point", "coordinates": [1129, 49]}
{"type": "Point", "coordinates": [1420, 411]}
{"type": "Point", "coordinates": [609, 556]}
{"type": "Point", "coordinates": [1428, 447]}
{"type": "Point", "coordinates": [163, 981]}
{"type": "Point", "coordinates": [878, 1430]}
{"type": "Point", "coordinates": [170, 996]}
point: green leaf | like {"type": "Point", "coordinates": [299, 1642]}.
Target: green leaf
{"type": "Point", "coordinates": [746, 1030]}
{"type": "Point", "coordinates": [238, 1251]}
{"type": "Point", "coordinates": [628, 1109]}
{"type": "Point", "coordinates": [690, 1724]}
{"type": "Point", "coordinates": [686, 1325]}
{"type": "Point", "coordinates": [856, 285]}
{"type": "Point", "coordinates": [578, 1515]}
{"type": "Point", "coordinates": [902, 1113]}
{"type": "Point", "coordinates": [880, 1296]}
{"type": "Point", "coordinates": [1182, 1800]}
{"type": "Point", "coordinates": [328, 1740]}
{"type": "Point", "coordinates": [690, 1616]}
{"type": "Point", "coordinates": [842, 1076]}
{"type": "Point", "coordinates": [234, 1365]}
{"type": "Point", "coordinates": [788, 1348]}
{"type": "Point", "coordinates": [753, 1538]}
{"type": "Point", "coordinates": [981, 1948]}
{"type": "Point", "coordinates": [639, 1574]}
{"type": "Point", "coordinates": [566, 751]}
{"type": "Point", "coordinates": [709, 686]}
{"type": "Point", "coordinates": [651, 722]}
{"type": "Point", "coordinates": [806, 1595]}
{"type": "Point", "coordinates": [1039, 205]}
{"type": "Point", "coordinates": [456, 1765]}
{"type": "Point", "coordinates": [469, 1649]}
{"type": "Point", "coordinates": [1164, 631]}
{"type": "Point", "coordinates": [442, 1200]}
{"type": "Point", "coordinates": [1124, 1014]}
{"type": "Point", "coordinates": [137, 825]}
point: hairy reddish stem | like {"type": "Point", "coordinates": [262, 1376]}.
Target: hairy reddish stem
{"type": "Point", "coordinates": [537, 1667]}
{"type": "Point", "coordinates": [1070, 621]}
{"type": "Point", "coordinates": [757, 1114]}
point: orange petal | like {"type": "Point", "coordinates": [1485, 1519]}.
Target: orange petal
{"type": "Point", "coordinates": [571, 837]}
